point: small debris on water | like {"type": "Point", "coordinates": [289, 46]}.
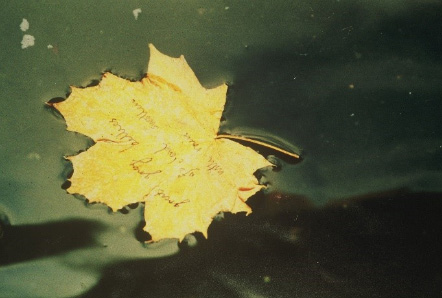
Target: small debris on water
{"type": "Point", "coordinates": [24, 25]}
{"type": "Point", "coordinates": [136, 12]}
{"type": "Point", "coordinates": [27, 41]}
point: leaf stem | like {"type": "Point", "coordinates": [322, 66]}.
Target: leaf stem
{"type": "Point", "coordinates": [233, 137]}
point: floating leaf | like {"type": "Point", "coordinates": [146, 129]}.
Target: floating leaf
{"type": "Point", "coordinates": [157, 143]}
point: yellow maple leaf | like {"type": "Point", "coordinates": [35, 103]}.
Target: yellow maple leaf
{"type": "Point", "coordinates": [157, 143]}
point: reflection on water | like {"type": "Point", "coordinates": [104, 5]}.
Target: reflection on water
{"type": "Point", "coordinates": [27, 242]}
{"type": "Point", "coordinates": [380, 245]}
{"type": "Point", "coordinates": [376, 245]}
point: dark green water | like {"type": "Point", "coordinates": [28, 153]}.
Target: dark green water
{"type": "Point", "coordinates": [356, 85]}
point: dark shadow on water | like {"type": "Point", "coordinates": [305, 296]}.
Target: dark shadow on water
{"type": "Point", "coordinates": [380, 245]}
{"type": "Point", "coordinates": [28, 242]}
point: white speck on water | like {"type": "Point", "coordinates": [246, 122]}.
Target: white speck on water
{"type": "Point", "coordinates": [190, 240]}
{"type": "Point", "coordinates": [27, 41]}
{"type": "Point", "coordinates": [24, 25]}
{"type": "Point", "coordinates": [33, 156]}
{"type": "Point", "coordinates": [352, 114]}
{"type": "Point", "coordinates": [50, 46]}
{"type": "Point", "coordinates": [226, 8]}
{"type": "Point", "coordinates": [136, 12]}
{"type": "Point", "coordinates": [409, 93]}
